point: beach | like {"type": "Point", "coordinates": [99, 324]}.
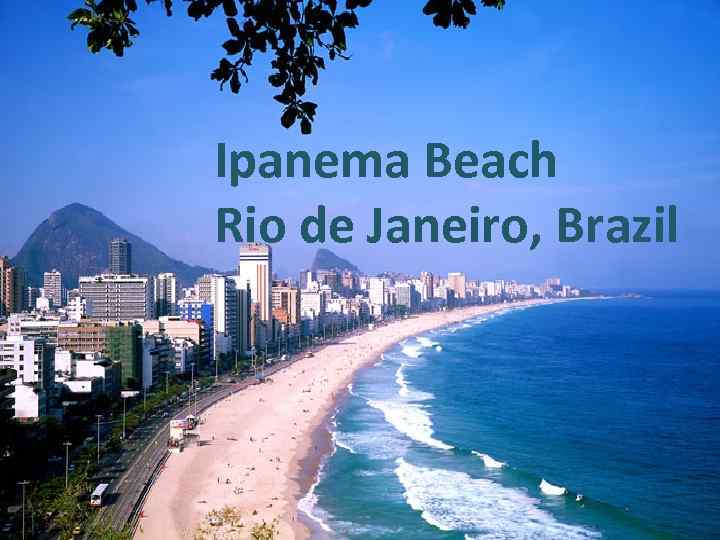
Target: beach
{"type": "Point", "coordinates": [258, 451]}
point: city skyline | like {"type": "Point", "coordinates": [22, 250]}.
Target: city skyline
{"type": "Point", "coordinates": [632, 126]}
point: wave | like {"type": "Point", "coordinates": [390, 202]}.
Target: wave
{"type": "Point", "coordinates": [405, 390]}
{"type": "Point", "coordinates": [309, 503]}
{"type": "Point", "coordinates": [550, 489]}
{"type": "Point", "coordinates": [481, 508]}
{"type": "Point", "coordinates": [426, 341]}
{"type": "Point", "coordinates": [489, 461]}
{"type": "Point", "coordinates": [342, 440]}
{"type": "Point", "coordinates": [411, 419]}
{"type": "Point", "coordinates": [379, 362]}
{"type": "Point", "coordinates": [413, 351]}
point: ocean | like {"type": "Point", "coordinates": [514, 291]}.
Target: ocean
{"type": "Point", "coordinates": [612, 405]}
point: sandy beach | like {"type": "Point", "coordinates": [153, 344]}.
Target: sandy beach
{"type": "Point", "coordinates": [258, 451]}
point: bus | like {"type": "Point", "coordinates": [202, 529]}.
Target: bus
{"type": "Point", "coordinates": [96, 499]}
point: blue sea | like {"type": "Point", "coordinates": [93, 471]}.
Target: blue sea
{"type": "Point", "coordinates": [616, 402]}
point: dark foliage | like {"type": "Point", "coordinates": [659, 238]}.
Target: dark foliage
{"type": "Point", "coordinates": [301, 34]}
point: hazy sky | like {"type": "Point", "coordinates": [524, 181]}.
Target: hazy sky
{"type": "Point", "coordinates": [626, 98]}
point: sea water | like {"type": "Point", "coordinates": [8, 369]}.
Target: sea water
{"type": "Point", "coordinates": [451, 434]}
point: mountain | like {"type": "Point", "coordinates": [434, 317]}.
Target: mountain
{"type": "Point", "coordinates": [327, 260]}
{"type": "Point", "coordinates": [75, 240]}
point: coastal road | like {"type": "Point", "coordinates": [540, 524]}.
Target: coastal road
{"type": "Point", "coordinates": [128, 490]}
{"type": "Point", "coordinates": [126, 494]}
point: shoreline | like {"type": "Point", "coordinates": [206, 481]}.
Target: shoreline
{"type": "Point", "coordinates": [292, 415]}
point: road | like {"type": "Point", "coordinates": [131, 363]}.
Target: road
{"type": "Point", "coordinates": [147, 451]}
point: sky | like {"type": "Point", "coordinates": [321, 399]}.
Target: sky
{"type": "Point", "coordinates": [625, 97]}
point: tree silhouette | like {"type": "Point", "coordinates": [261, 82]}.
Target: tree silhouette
{"type": "Point", "coordinates": [300, 33]}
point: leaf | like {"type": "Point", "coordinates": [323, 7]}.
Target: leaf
{"type": "Point", "coordinates": [235, 83]}
{"type": "Point", "coordinates": [283, 98]}
{"type": "Point", "coordinates": [277, 79]}
{"type": "Point", "coordinates": [288, 118]}
{"type": "Point", "coordinates": [234, 27]}
{"type": "Point", "coordinates": [338, 33]}
{"type": "Point", "coordinates": [442, 19]}
{"type": "Point", "coordinates": [305, 126]}
{"type": "Point", "coordinates": [196, 9]}
{"type": "Point", "coordinates": [230, 8]}
{"type": "Point", "coordinates": [309, 108]}
{"type": "Point", "coordinates": [348, 19]}
{"type": "Point", "coordinates": [80, 16]}
{"type": "Point", "coordinates": [233, 46]}
{"type": "Point", "coordinates": [469, 6]}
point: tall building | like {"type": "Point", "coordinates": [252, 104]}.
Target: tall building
{"type": "Point", "coordinates": [52, 285]}
{"type": "Point", "coordinates": [85, 336]}
{"type": "Point", "coordinates": [286, 303]}
{"type": "Point", "coordinates": [124, 344]}
{"type": "Point", "coordinates": [166, 294]}
{"type": "Point", "coordinates": [120, 256]}
{"type": "Point", "coordinates": [376, 291]}
{"type": "Point", "coordinates": [179, 329]}
{"type": "Point", "coordinates": [428, 290]}
{"type": "Point", "coordinates": [306, 276]}
{"type": "Point", "coordinates": [456, 282]}
{"type": "Point", "coordinates": [33, 362]}
{"type": "Point", "coordinates": [349, 280]}
{"type": "Point", "coordinates": [12, 288]}
{"type": "Point", "coordinates": [255, 269]}
{"type": "Point", "coordinates": [244, 314]}
{"type": "Point", "coordinates": [221, 292]}
{"type": "Point", "coordinates": [118, 297]}
{"type": "Point", "coordinates": [193, 309]}
{"type": "Point", "coordinates": [329, 278]}
{"type": "Point", "coordinates": [407, 296]}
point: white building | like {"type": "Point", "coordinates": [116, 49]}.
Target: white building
{"type": "Point", "coordinates": [52, 288]}
{"type": "Point", "coordinates": [33, 361]}
{"type": "Point", "coordinates": [255, 269]}
{"type": "Point", "coordinates": [312, 304]}
{"type": "Point", "coordinates": [376, 295]}
{"type": "Point", "coordinates": [119, 297]}
{"type": "Point", "coordinates": [221, 292]}
{"type": "Point", "coordinates": [166, 294]}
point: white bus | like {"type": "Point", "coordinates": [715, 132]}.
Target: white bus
{"type": "Point", "coordinates": [96, 499]}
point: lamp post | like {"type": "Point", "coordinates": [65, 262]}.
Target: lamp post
{"type": "Point", "coordinates": [99, 416]}
{"type": "Point", "coordinates": [23, 484]}
{"type": "Point", "coordinates": [67, 446]}
{"type": "Point", "coordinates": [192, 382]}
{"type": "Point", "coordinates": [123, 422]}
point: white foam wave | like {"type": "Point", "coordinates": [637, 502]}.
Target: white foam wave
{"type": "Point", "coordinates": [481, 508]}
{"type": "Point", "coordinates": [308, 505]}
{"type": "Point", "coordinates": [413, 351]}
{"type": "Point", "coordinates": [381, 444]}
{"type": "Point", "coordinates": [551, 489]}
{"type": "Point", "coordinates": [342, 440]}
{"type": "Point", "coordinates": [379, 362]}
{"type": "Point", "coordinates": [405, 390]}
{"type": "Point", "coordinates": [411, 419]}
{"type": "Point", "coordinates": [489, 461]}
{"type": "Point", "coordinates": [426, 341]}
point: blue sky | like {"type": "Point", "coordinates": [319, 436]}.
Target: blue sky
{"type": "Point", "coordinates": [626, 98]}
